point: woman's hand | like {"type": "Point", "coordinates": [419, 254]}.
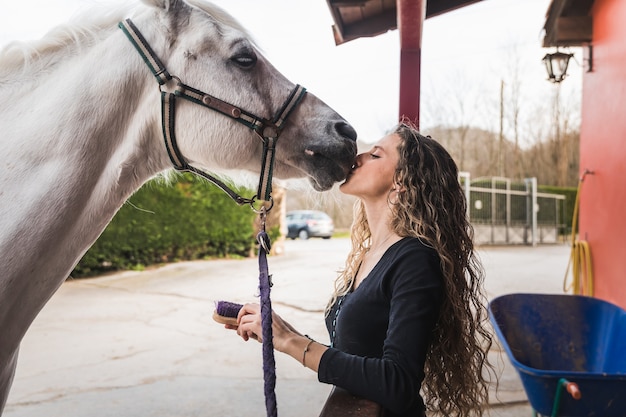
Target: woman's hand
{"type": "Point", "coordinates": [286, 339]}
{"type": "Point", "coordinates": [249, 323]}
{"type": "Point", "coordinates": [249, 326]}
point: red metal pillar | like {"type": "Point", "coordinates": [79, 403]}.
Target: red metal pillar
{"type": "Point", "coordinates": [410, 16]}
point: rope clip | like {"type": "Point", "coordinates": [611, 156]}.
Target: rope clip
{"type": "Point", "coordinates": [264, 239]}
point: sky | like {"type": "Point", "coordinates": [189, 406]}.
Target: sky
{"type": "Point", "coordinates": [467, 55]}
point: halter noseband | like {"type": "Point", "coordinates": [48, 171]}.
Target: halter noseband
{"type": "Point", "coordinates": [267, 130]}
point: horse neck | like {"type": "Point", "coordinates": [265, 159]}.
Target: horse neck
{"type": "Point", "coordinates": [77, 142]}
{"type": "Point", "coordinates": [94, 123]}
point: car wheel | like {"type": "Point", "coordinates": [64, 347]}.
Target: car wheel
{"type": "Point", "coordinates": [303, 234]}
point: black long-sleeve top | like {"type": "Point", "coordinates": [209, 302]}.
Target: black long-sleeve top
{"type": "Point", "coordinates": [380, 332]}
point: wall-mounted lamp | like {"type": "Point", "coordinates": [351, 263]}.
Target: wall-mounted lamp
{"type": "Point", "coordinates": [556, 65]}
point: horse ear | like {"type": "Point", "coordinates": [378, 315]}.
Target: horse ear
{"type": "Point", "coordinates": [166, 5]}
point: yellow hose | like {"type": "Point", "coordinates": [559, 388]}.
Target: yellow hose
{"type": "Point", "coordinates": [580, 257]}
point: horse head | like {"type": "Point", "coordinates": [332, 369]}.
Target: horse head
{"type": "Point", "coordinates": [208, 50]}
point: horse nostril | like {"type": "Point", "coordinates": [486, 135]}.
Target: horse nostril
{"type": "Point", "coordinates": [346, 130]}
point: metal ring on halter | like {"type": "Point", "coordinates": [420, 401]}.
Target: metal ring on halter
{"type": "Point", "coordinates": [174, 78]}
{"type": "Point", "coordinates": [263, 209]}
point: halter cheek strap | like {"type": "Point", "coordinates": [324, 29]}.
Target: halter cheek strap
{"type": "Point", "coordinates": [267, 130]}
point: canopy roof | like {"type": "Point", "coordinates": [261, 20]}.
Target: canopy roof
{"type": "Point", "coordinates": [354, 19]}
{"type": "Point", "coordinates": [568, 23]}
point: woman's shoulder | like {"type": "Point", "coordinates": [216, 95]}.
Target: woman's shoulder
{"type": "Point", "coordinates": [409, 258]}
{"type": "Point", "coordinates": [412, 251]}
{"type": "Point", "coordinates": [413, 244]}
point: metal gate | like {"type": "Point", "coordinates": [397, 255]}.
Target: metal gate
{"type": "Point", "coordinates": [503, 212]}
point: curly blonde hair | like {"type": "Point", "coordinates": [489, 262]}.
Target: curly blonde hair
{"type": "Point", "coordinates": [433, 209]}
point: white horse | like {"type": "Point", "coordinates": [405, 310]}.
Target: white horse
{"type": "Point", "coordinates": [81, 129]}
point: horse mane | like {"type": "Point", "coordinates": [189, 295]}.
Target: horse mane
{"type": "Point", "coordinates": [69, 38]}
{"type": "Point", "coordinates": [80, 32]}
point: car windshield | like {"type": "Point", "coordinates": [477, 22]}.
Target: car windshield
{"type": "Point", "coordinates": [319, 216]}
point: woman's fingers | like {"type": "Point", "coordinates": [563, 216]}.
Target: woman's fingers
{"type": "Point", "coordinates": [249, 324]}
{"type": "Point", "coordinates": [248, 309]}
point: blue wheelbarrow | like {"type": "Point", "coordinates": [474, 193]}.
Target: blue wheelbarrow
{"type": "Point", "coordinates": [569, 351]}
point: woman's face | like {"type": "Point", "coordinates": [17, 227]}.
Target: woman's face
{"type": "Point", "coordinates": [373, 173]}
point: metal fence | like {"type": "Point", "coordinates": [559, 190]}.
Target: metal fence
{"type": "Point", "coordinates": [503, 212]}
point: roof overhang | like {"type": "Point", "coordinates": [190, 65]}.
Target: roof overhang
{"type": "Point", "coordinates": [568, 23]}
{"type": "Point", "coordinates": [355, 19]}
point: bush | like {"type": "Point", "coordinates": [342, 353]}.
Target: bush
{"type": "Point", "coordinates": [570, 200]}
{"type": "Point", "coordinates": [188, 219]}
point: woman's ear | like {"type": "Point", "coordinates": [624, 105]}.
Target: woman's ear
{"type": "Point", "coordinates": [397, 186]}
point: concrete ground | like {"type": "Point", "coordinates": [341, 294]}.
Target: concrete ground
{"type": "Point", "coordinates": [144, 344]}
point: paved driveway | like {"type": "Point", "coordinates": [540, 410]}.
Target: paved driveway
{"type": "Point", "coordinates": [144, 344]}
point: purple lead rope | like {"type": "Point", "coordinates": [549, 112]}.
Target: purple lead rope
{"type": "Point", "coordinates": [269, 364]}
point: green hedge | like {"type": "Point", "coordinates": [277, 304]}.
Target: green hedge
{"type": "Point", "coordinates": [165, 222]}
{"type": "Point", "coordinates": [570, 200]}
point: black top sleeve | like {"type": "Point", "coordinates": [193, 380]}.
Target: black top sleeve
{"type": "Point", "coordinates": [380, 333]}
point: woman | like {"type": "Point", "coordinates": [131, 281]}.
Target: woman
{"type": "Point", "coordinates": [407, 315]}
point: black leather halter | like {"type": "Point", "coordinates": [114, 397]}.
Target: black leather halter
{"type": "Point", "coordinates": [267, 130]}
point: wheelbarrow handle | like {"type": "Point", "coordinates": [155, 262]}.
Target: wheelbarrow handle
{"type": "Point", "coordinates": [573, 390]}
{"type": "Point", "coordinates": [570, 387]}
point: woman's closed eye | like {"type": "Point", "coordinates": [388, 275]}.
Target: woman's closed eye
{"type": "Point", "coordinates": [374, 156]}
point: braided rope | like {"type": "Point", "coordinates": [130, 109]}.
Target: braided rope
{"type": "Point", "coordinates": [269, 363]}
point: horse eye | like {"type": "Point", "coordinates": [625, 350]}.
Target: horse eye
{"type": "Point", "coordinates": [244, 60]}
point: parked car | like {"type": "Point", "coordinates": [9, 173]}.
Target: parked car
{"type": "Point", "coordinates": [309, 223]}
